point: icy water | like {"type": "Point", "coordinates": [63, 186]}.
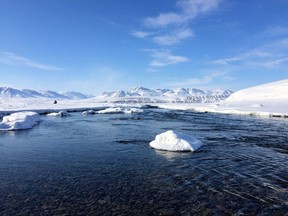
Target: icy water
{"type": "Point", "coordinates": [103, 165]}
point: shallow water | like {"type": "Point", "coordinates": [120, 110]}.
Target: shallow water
{"type": "Point", "coordinates": [103, 165]}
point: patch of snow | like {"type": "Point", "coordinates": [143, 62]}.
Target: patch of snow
{"type": "Point", "coordinates": [59, 114]}
{"type": "Point", "coordinates": [19, 121]}
{"type": "Point", "coordinates": [120, 110]}
{"type": "Point", "coordinates": [89, 112]}
{"type": "Point", "coordinates": [174, 141]}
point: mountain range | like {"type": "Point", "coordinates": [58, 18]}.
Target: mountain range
{"type": "Point", "coordinates": [134, 95]}
{"type": "Point", "coordinates": [180, 95]}
{"type": "Point", "coordinates": [7, 92]}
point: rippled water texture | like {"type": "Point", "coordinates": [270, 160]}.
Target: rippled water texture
{"type": "Point", "coordinates": [103, 165]}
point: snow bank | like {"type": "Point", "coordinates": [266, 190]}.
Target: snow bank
{"type": "Point", "coordinates": [120, 110]}
{"type": "Point", "coordinates": [274, 91]}
{"type": "Point", "coordinates": [19, 121]}
{"type": "Point", "coordinates": [173, 141]}
{"type": "Point", "coordinates": [59, 114]}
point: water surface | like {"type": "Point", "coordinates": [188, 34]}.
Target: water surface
{"type": "Point", "coordinates": [103, 165]}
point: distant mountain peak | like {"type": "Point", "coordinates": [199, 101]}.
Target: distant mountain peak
{"type": "Point", "coordinates": [141, 94]}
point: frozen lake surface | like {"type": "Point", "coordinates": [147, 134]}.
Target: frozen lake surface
{"type": "Point", "coordinates": [103, 165]}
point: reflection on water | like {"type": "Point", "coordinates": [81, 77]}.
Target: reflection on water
{"type": "Point", "coordinates": [103, 165]}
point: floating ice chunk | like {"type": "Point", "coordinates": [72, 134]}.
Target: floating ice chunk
{"type": "Point", "coordinates": [119, 110]}
{"type": "Point", "coordinates": [111, 110]}
{"type": "Point", "coordinates": [19, 121]}
{"type": "Point", "coordinates": [132, 110]}
{"type": "Point", "coordinates": [59, 114]}
{"type": "Point", "coordinates": [173, 141]}
{"type": "Point", "coordinates": [89, 112]}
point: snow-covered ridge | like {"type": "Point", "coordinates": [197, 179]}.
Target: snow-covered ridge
{"type": "Point", "coordinates": [180, 95]}
{"type": "Point", "coordinates": [274, 91]}
{"type": "Point", "coordinates": [7, 92]}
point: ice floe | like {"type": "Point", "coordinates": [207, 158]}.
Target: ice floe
{"type": "Point", "coordinates": [89, 112]}
{"type": "Point", "coordinates": [19, 121]}
{"type": "Point", "coordinates": [120, 110]}
{"type": "Point", "coordinates": [174, 141]}
{"type": "Point", "coordinates": [59, 114]}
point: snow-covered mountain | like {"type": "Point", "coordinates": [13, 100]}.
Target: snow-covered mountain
{"type": "Point", "coordinates": [135, 95]}
{"type": "Point", "coordinates": [75, 95]}
{"type": "Point", "coordinates": [7, 92]}
{"type": "Point", "coordinates": [182, 95]}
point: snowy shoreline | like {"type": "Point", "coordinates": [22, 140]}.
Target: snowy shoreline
{"type": "Point", "coordinates": [267, 100]}
{"type": "Point", "coordinates": [216, 108]}
{"type": "Point", "coordinates": [46, 106]}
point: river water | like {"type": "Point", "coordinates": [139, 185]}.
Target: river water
{"type": "Point", "coordinates": [103, 165]}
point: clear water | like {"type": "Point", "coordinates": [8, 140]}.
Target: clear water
{"type": "Point", "coordinates": [103, 165]}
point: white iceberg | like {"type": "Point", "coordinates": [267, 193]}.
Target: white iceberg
{"type": "Point", "coordinates": [174, 141]}
{"type": "Point", "coordinates": [19, 121]}
{"type": "Point", "coordinates": [59, 114]}
{"type": "Point", "coordinates": [120, 110]}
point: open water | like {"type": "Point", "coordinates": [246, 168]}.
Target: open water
{"type": "Point", "coordinates": [103, 165]}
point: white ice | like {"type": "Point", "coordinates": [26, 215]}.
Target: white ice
{"type": "Point", "coordinates": [174, 141]}
{"type": "Point", "coordinates": [120, 110]}
{"type": "Point", "coordinates": [89, 112]}
{"type": "Point", "coordinates": [19, 121]}
{"type": "Point", "coordinates": [59, 114]}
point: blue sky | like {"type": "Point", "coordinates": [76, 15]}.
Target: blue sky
{"type": "Point", "coordinates": [103, 45]}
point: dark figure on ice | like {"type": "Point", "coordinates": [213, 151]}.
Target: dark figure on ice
{"type": "Point", "coordinates": [55, 102]}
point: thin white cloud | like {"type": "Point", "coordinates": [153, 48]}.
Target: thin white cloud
{"type": "Point", "coordinates": [162, 58]}
{"type": "Point", "coordinates": [11, 58]}
{"type": "Point", "coordinates": [226, 61]}
{"type": "Point", "coordinates": [175, 37]}
{"type": "Point", "coordinates": [172, 26]}
{"type": "Point", "coordinates": [164, 20]}
{"type": "Point", "coordinates": [280, 44]}
{"type": "Point", "coordinates": [274, 63]}
{"type": "Point", "coordinates": [141, 34]}
{"type": "Point", "coordinates": [252, 55]}
{"type": "Point", "coordinates": [271, 55]}
{"type": "Point", "coordinates": [276, 31]}
{"type": "Point", "coordinates": [189, 9]}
